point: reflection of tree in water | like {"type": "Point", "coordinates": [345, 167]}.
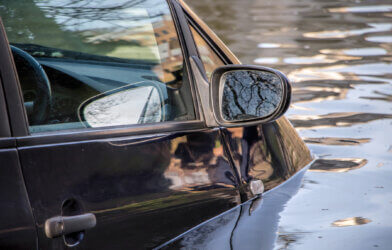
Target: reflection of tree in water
{"type": "Point", "coordinates": [286, 240]}
{"type": "Point", "coordinates": [250, 94]}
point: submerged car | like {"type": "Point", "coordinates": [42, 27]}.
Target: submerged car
{"type": "Point", "coordinates": [130, 125]}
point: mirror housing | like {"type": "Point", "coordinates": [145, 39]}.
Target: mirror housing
{"type": "Point", "coordinates": [243, 95]}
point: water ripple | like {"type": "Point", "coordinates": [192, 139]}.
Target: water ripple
{"type": "Point", "coordinates": [363, 9]}
{"type": "Point", "coordinates": [352, 221]}
{"type": "Point", "coordinates": [374, 27]}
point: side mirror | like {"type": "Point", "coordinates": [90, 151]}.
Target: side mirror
{"type": "Point", "coordinates": [248, 95]}
{"type": "Point", "coordinates": [133, 104]}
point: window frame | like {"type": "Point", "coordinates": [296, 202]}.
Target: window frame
{"type": "Point", "coordinates": [208, 40]}
{"type": "Point", "coordinates": [18, 118]}
{"type": "Point", "coordinates": [218, 53]}
{"type": "Point", "coordinates": [4, 123]}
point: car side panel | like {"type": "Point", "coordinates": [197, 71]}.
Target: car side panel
{"type": "Point", "coordinates": [271, 152]}
{"type": "Point", "coordinates": [143, 190]}
{"type": "Point", "coordinates": [17, 229]}
{"type": "Point", "coordinates": [213, 234]}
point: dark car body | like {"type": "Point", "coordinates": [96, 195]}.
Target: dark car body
{"type": "Point", "coordinates": [170, 184]}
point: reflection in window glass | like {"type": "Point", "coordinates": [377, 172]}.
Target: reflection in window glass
{"type": "Point", "coordinates": [209, 58]}
{"type": "Point", "coordinates": [70, 52]}
{"type": "Point", "coordinates": [107, 110]}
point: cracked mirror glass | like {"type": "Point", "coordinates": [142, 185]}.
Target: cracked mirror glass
{"type": "Point", "coordinates": [249, 94]}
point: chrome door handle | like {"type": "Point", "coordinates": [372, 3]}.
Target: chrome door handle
{"type": "Point", "coordinates": [62, 225]}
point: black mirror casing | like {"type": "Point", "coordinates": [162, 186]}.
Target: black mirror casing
{"type": "Point", "coordinates": [217, 94]}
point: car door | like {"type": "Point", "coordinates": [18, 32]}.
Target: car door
{"type": "Point", "coordinates": [109, 134]}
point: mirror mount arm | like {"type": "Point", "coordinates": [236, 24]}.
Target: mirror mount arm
{"type": "Point", "coordinates": [203, 91]}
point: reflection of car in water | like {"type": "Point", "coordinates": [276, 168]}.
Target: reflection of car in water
{"type": "Point", "coordinates": [132, 126]}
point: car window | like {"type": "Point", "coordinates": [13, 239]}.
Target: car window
{"type": "Point", "coordinates": [210, 59]}
{"type": "Point", "coordinates": [82, 64]}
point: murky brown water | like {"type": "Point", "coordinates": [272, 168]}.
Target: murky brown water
{"type": "Point", "coordinates": [338, 55]}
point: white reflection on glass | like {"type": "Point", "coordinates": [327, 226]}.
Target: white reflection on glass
{"type": "Point", "coordinates": [131, 106]}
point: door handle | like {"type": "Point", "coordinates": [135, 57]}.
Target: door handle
{"type": "Point", "coordinates": [63, 225]}
{"type": "Point", "coordinates": [256, 187]}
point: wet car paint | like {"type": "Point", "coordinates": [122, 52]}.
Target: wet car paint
{"type": "Point", "coordinates": [338, 57]}
{"type": "Point", "coordinates": [17, 228]}
{"type": "Point", "coordinates": [253, 225]}
{"type": "Point", "coordinates": [271, 152]}
{"type": "Point", "coordinates": [143, 190]}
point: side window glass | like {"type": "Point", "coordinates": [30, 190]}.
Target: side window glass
{"type": "Point", "coordinates": [209, 58]}
{"type": "Point", "coordinates": [80, 65]}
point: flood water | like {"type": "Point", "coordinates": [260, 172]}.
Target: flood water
{"type": "Point", "coordinates": [338, 56]}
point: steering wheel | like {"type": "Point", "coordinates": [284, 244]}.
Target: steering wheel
{"type": "Point", "coordinates": [31, 72]}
